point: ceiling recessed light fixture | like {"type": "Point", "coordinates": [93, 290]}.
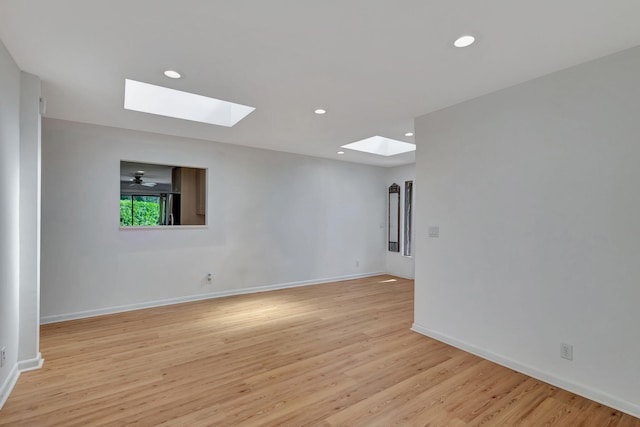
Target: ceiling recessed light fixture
{"type": "Point", "coordinates": [408, 134]}
{"type": "Point", "coordinates": [381, 146]}
{"type": "Point", "coordinates": [340, 152]}
{"type": "Point", "coordinates": [163, 101]}
{"type": "Point", "coordinates": [464, 41]}
{"type": "Point", "coordinates": [320, 111]}
{"type": "Point", "coordinates": [172, 74]}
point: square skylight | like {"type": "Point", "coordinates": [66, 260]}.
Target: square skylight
{"type": "Point", "coordinates": [381, 146]}
{"type": "Point", "coordinates": [148, 98]}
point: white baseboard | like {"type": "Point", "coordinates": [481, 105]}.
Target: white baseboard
{"type": "Point", "coordinates": [580, 389]}
{"type": "Point", "coordinates": [402, 276]}
{"type": "Point", "coordinates": [12, 379]}
{"type": "Point", "coordinates": [31, 364]}
{"type": "Point", "coordinates": [8, 384]}
{"type": "Point", "coordinates": [158, 303]}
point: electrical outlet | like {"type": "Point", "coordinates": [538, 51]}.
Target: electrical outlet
{"type": "Point", "coordinates": [209, 277]}
{"type": "Point", "coordinates": [3, 356]}
{"type": "Point", "coordinates": [566, 351]}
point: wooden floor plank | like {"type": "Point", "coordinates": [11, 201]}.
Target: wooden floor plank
{"type": "Point", "coordinates": [337, 354]}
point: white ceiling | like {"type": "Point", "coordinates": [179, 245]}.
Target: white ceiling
{"type": "Point", "coordinates": [374, 65]}
{"type": "Point", "coordinates": [160, 174]}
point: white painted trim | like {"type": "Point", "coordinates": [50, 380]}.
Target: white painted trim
{"type": "Point", "coordinates": [162, 227]}
{"type": "Point", "coordinates": [158, 303]}
{"type": "Point", "coordinates": [12, 379]}
{"type": "Point", "coordinates": [9, 383]}
{"type": "Point", "coordinates": [31, 364]}
{"type": "Point", "coordinates": [402, 276]}
{"type": "Point", "coordinates": [577, 388]}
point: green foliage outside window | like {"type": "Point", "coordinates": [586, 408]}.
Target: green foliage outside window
{"type": "Point", "coordinates": [146, 211]}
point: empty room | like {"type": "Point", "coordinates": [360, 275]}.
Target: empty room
{"type": "Point", "coordinates": [296, 213]}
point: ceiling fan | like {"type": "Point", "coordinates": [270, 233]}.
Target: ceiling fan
{"type": "Point", "coordinates": [137, 180]}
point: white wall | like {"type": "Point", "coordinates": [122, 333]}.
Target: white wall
{"type": "Point", "coordinates": [274, 218]}
{"type": "Point", "coordinates": [397, 264]}
{"type": "Point", "coordinates": [9, 217]}
{"type": "Point", "coordinates": [536, 192]}
{"type": "Point", "coordinates": [28, 351]}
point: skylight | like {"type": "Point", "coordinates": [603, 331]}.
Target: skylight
{"type": "Point", "coordinates": [148, 98]}
{"type": "Point", "coordinates": [381, 146]}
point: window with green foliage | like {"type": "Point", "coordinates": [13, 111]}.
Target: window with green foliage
{"type": "Point", "coordinates": [156, 195]}
{"type": "Point", "coordinates": [139, 210]}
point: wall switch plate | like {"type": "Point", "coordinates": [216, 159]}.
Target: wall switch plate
{"type": "Point", "coordinates": [434, 231]}
{"type": "Point", "coordinates": [566, 351]}
{"type": "Point", "coordinates": [3, 356]}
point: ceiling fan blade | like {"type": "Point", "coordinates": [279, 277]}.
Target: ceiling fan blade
{"type": "Point", "coordinates": [149, 184]}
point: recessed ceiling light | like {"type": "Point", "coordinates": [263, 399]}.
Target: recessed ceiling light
{"type": "Point", "coordinates": [340, 152]}
{"type": "Point", "coordinates": [172, 74]}
{"type": "Point", "coordinates": [148, 98]}
{"type": "Point", "coordinates": [408, 134]}
{"type": "Point", "coordinates": [464, 41]}
{"type": "Point", "coordinates": [320, 111]}
{"type": "Point", "coordinates": [381, 146]}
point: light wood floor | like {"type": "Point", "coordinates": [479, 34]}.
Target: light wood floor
{"type": "Point", "coordinates": [327, 355]}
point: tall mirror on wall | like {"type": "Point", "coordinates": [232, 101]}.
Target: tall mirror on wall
{"type": "Point", "coordinates": [394, 218]}
{"type": "Point", "coordinates": [162, 195]}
